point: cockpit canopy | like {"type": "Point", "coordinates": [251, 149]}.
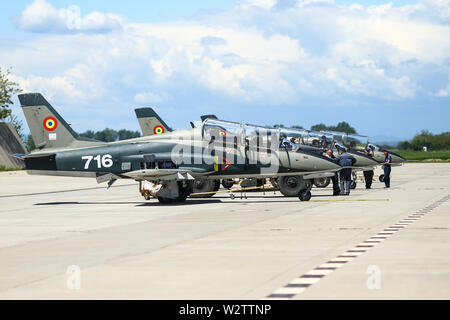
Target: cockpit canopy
{"type": "Point", "coordinates": [238, 134]}
{"type": "Point", "coordinates": [308, 137]}
{"type": "Point", "coordinates": [350, 140]}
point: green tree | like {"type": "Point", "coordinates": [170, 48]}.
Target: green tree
{"type": "Point", "coordinates": [9, 88]}
{"type": "Point", "coordinates": [88, 134]}
{"type": "Point", "coordinates": [29, 143]}
{"type": "Point", "coordinates": [128, 134]}
{"type": "Point", "coordinates": [107, 135]}
{"type": "Point", "coordinates": [344, 127]}
{"type": "Point", "coordinates": [18, 125]}
{"type": "Point", "coordinates": [340, 127]}
{"type": "Point", "coordinates": [404, 145]}
{"type": "Point", "coordinates": [319, 127]}
{"type": "Point", "coordinates": [433, 142]}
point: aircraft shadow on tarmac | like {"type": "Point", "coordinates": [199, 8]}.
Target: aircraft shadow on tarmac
{"type": "Point", "coordinates": [138, 204]}
{"type": "Point", "coordinates": [80, 202]}
{"type": "Point", "coordinates": [190, 201]}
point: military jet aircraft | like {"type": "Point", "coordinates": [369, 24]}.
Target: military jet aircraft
{"type": "Point", "coordinates": [216, 150]}
{"type": "Point", "coordinates": [298, 139]}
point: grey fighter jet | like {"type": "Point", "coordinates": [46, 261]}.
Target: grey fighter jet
{"type": "Point", "coordinates": [172, 161]}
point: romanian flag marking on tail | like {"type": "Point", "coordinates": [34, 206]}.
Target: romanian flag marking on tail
{"type": "Point", "coordinates": [158, 130]}
{"type": "Point", "coordinates": [50, 123]}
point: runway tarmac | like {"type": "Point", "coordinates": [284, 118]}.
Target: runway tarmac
{"type": "Point", "coordinates": [374, 244]}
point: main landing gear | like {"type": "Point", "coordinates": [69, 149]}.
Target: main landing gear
{"type": "Point", "coordinates": [174, 191]}
{"type": "Point", "coordinates": [295, 186]}
{"type": "Point", "coordinates": [166, 191]}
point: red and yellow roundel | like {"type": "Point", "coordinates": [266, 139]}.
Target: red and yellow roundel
{"type": "Point", "coordinates": [222, 132]}
{"type": "Point", "coordinates": [158, 130]}
{"type": "Point", "coordinates": [50, 123]}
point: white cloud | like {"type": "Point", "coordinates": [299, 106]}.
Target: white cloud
{"type": "Point", "coordinates": [444, 92]}
{"type": "Point", "coordinates": [42, 17]}
{"type": "Point", "coordinates": [311, 51]}
{"type": "Point", "coordinates": [150, 97]}
{"type": "Point", "coordinates": [265, 4]}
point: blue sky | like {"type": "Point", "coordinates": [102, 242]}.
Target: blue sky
{"type": "Point", "coordinates": [384, 67]}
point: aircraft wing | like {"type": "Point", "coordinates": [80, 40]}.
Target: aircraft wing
{"type": "Point", "coordinates": [31, 155]}
{"type": "Point", "coordinates": [166, 174]}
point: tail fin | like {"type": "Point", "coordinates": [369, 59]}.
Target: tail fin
{"type": "Point", "coordinates": [150, 122]}
{"type": "Point", "coordinates": [209, 116]}
{"type": "Point", "coordinates": [47, 127]}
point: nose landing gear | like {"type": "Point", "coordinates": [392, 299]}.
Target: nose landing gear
{"type": "Point", "coordinates": [305, 194]}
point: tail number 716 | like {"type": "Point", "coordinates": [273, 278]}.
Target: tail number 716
{"type": "Point", "coordinates": [104, 161]}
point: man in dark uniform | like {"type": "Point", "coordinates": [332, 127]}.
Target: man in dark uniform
{"type": "Point", "coordinates": [387, 169]}
{"type": "Point", "coordinates": [334, 178]}
{"type": "Point", "coordinates": [368, 174]}
{"type": "Point", "coordinates": [346, 160]}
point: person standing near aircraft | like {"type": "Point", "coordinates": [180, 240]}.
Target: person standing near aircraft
{"type": "Point", "coordinates": [334, 178]}
{"type": "Point", "coordinates": [346, 160]}
{"type": "Point", "coordinates": [368, 174]}
{"type": "Point", "coordinates": [387, 169]}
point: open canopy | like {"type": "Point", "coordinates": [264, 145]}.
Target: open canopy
{"type": "Point", "coordinates": [349, 140]}
{"type": "Point", "coordinates": [240, 134]}
{"type": "Point", "coordinates": [308, 137]}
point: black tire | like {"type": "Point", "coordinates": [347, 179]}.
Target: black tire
{"type": "Point", "coordinates": [164, 200]}
{"type": "Point", "coordinates": [203, 185]}
{"type": "Point", "coordinates": [184, 190]}
{"type": "Point", "coordinates": [304, 195]}
{"type": "Point", "coordinates": [290, 186]}
{"type": "Point", "coordinates": [381, 178]}
{"type": "Point", "coordinates": [227, 183]}
{"type": "Point", "coordinates": [353, 185]}
{"type": "Point", "coordinates": [322, 182]}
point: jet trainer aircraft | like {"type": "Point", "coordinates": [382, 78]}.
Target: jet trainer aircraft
{"type": "Point", "coordinates": [217, 149]}
{"type": "Point", "coordinates": [306, 140]}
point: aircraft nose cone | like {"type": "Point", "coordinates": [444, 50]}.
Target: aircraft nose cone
{"type": "Point", "coordinates": [316, 162]}
{"type": "Point", "coordinates": [396, 158]}
{"type": "Point", "coordinates": [364, 161]}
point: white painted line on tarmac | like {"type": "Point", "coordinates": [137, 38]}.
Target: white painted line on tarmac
{"type": "Point", "coordinates": [301, 283]}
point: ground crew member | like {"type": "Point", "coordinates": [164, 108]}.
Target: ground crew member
{"type": "Point", "coordinates": [334, 178]}
{"type": "Point", "coordinates": [368, 174]}
{"type": "Point", "coordinates": [387, 169]}
{"type": "Point", "coordinates": [346, 160]}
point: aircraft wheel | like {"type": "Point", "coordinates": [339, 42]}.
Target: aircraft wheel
{"type": "Point", "coordinates": [203, 185]}
{"type": "Point", "coordinates": [322, 182]}
{"type": "Point", "coordinates": [216, 185]}
{"type": "Point", "coordinates": [353, 185]}
{"type": "Point", "coordinates": [381, 178]}
{"type": "Point", "coordinates": [227, 183]}
{"type": "Point", "coordinates": [290, 186]}
{"type": "Point", "coordinates": [165, 200]}
{"type": "Point", "coordinates": [304, 195]}
{"type": "Point", "coordinates": [147, 197]}
{"type": "Point", "coordinates": [183, 191]}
